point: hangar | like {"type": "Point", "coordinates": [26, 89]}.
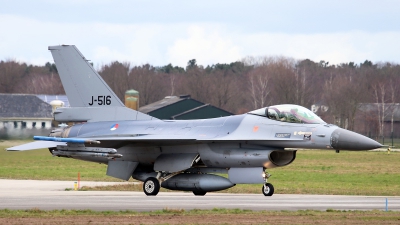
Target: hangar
{"type": "Point", "coordinates": [182, 108]}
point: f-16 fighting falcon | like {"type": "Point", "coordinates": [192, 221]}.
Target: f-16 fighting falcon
{"type": "Point", "coordinates": [182, 155]}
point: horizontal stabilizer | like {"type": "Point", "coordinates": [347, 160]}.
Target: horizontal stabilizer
{"type": "Point", "coordinates": [36, 145]}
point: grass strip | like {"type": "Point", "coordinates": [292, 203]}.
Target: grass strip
{"type": "Point", "coordinates": [8, 213]}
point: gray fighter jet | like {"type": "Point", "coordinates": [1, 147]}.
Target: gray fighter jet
{"type": "Point", "coordinates": [180, 155]}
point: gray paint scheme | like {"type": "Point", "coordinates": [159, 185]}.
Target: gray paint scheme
{"type": "Point", "coordinates": [82, 114]}
{"type": "Point", "coordinates": [174, 162]}
{"type": "Point", "coordinates": [76, 77]}
{"type": "Point", "coordinates": [250, 175]}
{"type": "Point", "coordinates": [121, 169]}
{"type": "Point", "coordinates": [241, 145]}
{"type": "Point", "coordinates": [82, 83]}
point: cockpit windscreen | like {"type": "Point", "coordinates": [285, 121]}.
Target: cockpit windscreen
{"type": "Point", "coordinates": [289, 113]}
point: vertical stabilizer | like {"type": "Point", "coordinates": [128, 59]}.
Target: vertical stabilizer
{"type": "Point", "coordinates": [82, 84]}
{"type": "Point", "coordinates": [90, 97]}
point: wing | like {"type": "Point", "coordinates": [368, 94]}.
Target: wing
{"type": "Point", "coordinates": [36, 145]}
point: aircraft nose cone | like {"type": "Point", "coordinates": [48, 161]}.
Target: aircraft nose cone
{"type": "Point", "coordinates": [342, 139]}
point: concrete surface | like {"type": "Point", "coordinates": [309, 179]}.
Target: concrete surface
{"type": "Point", "coordinates": [48, 195]}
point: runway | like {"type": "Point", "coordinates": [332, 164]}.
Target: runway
{"type": "Point", "coordinates": [49, 195]}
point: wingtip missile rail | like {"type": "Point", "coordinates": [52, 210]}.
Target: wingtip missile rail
{"type": "Point", "coordinates": [68, 140]}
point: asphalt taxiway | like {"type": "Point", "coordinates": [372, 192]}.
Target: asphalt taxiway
{"type": "Point", "coordinates": [49, 195]}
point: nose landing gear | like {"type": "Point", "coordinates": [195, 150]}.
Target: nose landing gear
{"type": "Point", "coordinates": [268, 188]}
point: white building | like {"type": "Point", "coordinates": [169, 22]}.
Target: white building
{"type": "Point", "coordinates": [24, 115]}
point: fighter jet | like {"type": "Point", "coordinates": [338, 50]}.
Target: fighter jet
{"type": "Point", "coordinates": [186, 155]}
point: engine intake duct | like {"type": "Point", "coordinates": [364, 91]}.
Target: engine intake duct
{"type": "Point", "coordinates": [282, 158]}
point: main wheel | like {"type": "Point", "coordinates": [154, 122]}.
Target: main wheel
{"type": "Point", "coordinates": [268, 189]}
{"type": "Point", "coordinates": [199, 193]}
{"type": "Point", "coordinates": [151, 186]}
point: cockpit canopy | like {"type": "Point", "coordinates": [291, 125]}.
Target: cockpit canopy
{"type": "Point", "coordinates": [288, 113]}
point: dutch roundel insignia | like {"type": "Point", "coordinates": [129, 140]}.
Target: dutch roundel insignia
{"type": "Point", "coordinates": [114, 127]}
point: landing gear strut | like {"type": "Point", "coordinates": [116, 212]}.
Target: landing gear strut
{"type": "Point", "coordinates": [268, 188]}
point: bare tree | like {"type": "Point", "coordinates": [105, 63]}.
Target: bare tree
{"type": "Point", "coordinates": [116, 76]}
{"type": "Point", "coordinates": [11, 72]}
{"type": "Point", "coordinates": [38, 83]}
{"type": "Point", "coordinates": [258, 85]}
{"type": "Point", "coordinates": [149, 83]}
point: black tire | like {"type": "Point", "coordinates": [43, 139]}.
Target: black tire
{"type": "Point", "coordinates": [268, 189]}
{"type": "Point", "coordinates": [199, 193]}
{"type": "Point", "coordinates": [151, 186]}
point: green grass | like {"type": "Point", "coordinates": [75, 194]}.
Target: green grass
{"type": "Point", "coordinates": [313, 172]}
{"type": "Point", "coordinates": [7, 213]}
{"type": "Point", "coordinates": [388, 141]}
{"type": "Point", "coordinates": [327, 172]}
{"type": "Point", "coordinates": [41, 165]}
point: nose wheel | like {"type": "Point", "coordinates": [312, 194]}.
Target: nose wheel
{"type": "Point", "coordinates": [268, 189]}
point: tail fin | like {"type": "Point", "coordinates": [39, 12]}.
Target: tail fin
{"type": "Point", "coordinates": [81, 82]}
{"type": "Point", "coordinates": [90, 97]}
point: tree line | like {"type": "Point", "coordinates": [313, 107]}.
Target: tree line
{"type": "Point", "coordinates": [238, 87]}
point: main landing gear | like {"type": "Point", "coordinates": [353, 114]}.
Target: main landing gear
{"type": "Point", "coordinates": [151, 186]}
{"type": "Point", "coordinates": [268, 188]}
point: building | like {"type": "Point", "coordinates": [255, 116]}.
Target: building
{"type": "Point", "coordinates": [369, 119]}
{"type": "Point", "coordinates": [22, 115]}
{"type": "Point", "coordinates": [50, 98]}
{"type": "Point", "coordinates": [182, 108]}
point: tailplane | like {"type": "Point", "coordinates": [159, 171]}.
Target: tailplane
{"type": "Point", "coordinates": [90, 97]}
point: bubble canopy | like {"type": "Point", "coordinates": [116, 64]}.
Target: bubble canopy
{"type": "Point", "coordinates": [289, 113]}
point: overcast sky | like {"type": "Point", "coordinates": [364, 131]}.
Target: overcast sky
{"type": "Point", "coordinates": [162, 32]}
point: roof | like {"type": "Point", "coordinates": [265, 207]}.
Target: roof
{"type": "Point", "coordinates": [170, 106]}
{"type": "Point", "coordinates": [23, 106]}
{"type": "Point", "coordinates": [49, 98]}
{"type": "Point", "coordinates": [182, 107]}
{"type": "Point", "coordinates": [131, 92]}
{"type": "Point", "coordinates": [389, 109]}
{"type": "Point", "coordinates": [202, 112]}
{"type": "Point", "coordinates": [159, 104]}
